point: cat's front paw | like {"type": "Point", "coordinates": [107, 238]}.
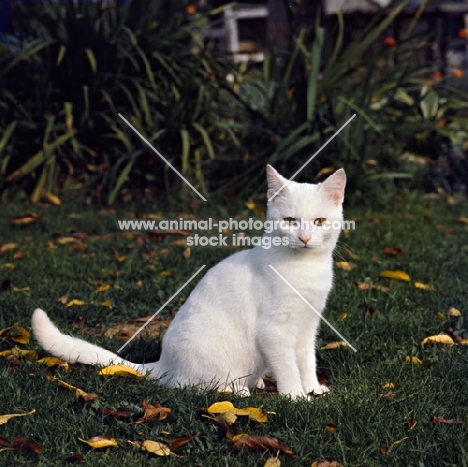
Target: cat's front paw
{"type": "Point", "coordinates": [319, 391]}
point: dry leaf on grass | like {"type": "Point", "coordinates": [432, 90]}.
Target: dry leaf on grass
{"type": "Point", "coordinates": [155, 447]}
{"type": "Point", "coordinates": [322, 463]}
{"type": "Point", "coordinates": [76, 302]}
{"type": "Point", "coordinates": [7, 247]}
{"type": "Point", "coordinates": [5, 418]}
{"type": "Point", "coordinates": [395, 275]}
{"type": "Point", "coordinates": [435, 420]}
{"type": "Point", "coordinates": [23, 444]}
{"type": "Point", "coordinates": [441, 339]}
{"type": "Point", "coordinates": [179, 442]}
{"type": "Point", "coordinates": [25, 219]}
{"type": "Point", "coordinates": [120, 370]}
{"type": "Point", "coordinates": [413, 360]}
{"type": "Point", "coordinates": [98, 442]}
{"type": "Point", "coordinates": [454, 312]}
{"type": "Point", "coordinates": [272, 462]}
{"type": "Point", "coordinates": [254, 413]}
{"type": "Point", "coordinates": [334, 345]}
{"type": "Point", "coordinates": [260, 443]}
{"type": "Point", "coordinates": [420, 285]}
{"type": "Point", "coordinates": [79, 393]}
{"type": "Point", "coordinates": [20, 336]}
{"type": "Point", "coordinates": [345, 266]}
{"type": "Point", "coordinates": [30, 355]}
{"type": "Point", "coordinates": [367, 286]}
{"type": "Point", "coordinates": [53, 361]}
{"type": "Point", "coordinates": [152, 411]}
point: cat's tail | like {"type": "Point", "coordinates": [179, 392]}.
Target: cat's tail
{"type": "Point", "coordinates": [71, 349]}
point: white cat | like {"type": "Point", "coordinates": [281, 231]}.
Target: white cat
{"type": "Point", "coordinates": [242, 320]}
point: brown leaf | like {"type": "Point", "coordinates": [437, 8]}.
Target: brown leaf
{"type": "Point", "coordinates": [7, 247]}
{"type": "Point", "coordinates": [25, 219]}
{"type": "Point", "coordinates": [441, 420]}
{"type": "Point", "coordinates": [19, 255]}
{"type": "Point", "coordinates": [22, 443]}
{"type": "Point", "coordinates": [152, 411]}
{"type": "Point", "coordinates": [322, 463]}
{"type": "Point", "coordinates": [75, 458]}
{"type": "Point", "coordinates": [3, 441]}
{"type": "Point", "coordinates": [392, 251]}
{"type": "Point", "coordinates": [386, 397]}
{"type": "Point", "coordinates": [456, 338]}
{"type": "Point", "coordinates": [260, 443]}
{"type": "Point", "coordinates": [367, 286]}
{"type": "Point", "coordinates": [116, 413]}
{"type": "Point", "coordinates": [179, 442]}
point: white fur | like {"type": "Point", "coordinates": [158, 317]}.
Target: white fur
{"type": "Point", "coordinates": [242, 320]}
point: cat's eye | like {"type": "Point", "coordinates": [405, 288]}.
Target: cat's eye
{"type": "Point", "coordinates": [319, 221]}
{"type": "Point", "coordinates": [290, 220]}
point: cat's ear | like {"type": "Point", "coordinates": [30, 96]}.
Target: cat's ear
{"type": "Point", "coordinates": [275, 182]}
{"type": "Point", "coordinates": [333, 187]}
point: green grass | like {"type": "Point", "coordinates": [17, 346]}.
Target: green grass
{"type": "Point", "coordinates": [435, 252]}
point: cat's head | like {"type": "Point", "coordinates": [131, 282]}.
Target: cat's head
{"type": "Point", "coordinates": [308, 215]}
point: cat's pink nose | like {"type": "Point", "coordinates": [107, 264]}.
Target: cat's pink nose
{"type": "Point", "coordinates": [304, 238]}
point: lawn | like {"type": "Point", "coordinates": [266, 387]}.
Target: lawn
{"type": "Point", "coordinates": [381, 410]}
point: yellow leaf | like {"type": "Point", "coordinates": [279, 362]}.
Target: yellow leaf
{"type": "Point", "coordinates": [52, 199]}
{"type": "Point", "coordinates": [65, 240]}
{"type": "Point", "coordinates": [463, 220]}
{"type": "Point", "coordinates": [334, 345]}
{"type": "Point", "coordinates": [388, 386]}
{"type": "Point", "coordinates": [330, 428]}
{"type": "Point", "coordinates": [186, 253]}
{"type": "Point", "coordinates": [23, 337]}
{"type": "Point", "coordinates": [102, 288]}
{"type": "Point", "coordinates": [7, 247]}
{"type": "Point", "coordinates": [5, 418]}
{"type": "Point", "coordinates": [157, 448]}
{"type": "Point", "coordinates": [121, 259]}
{"type": "Point", "coordinates": [454, 313]}
{"type": "Point", "coordinates": [220, 407]}
{"type": "Point", "coordinates": [51, 245]}
{"type": "Point", "coordinates": [79, 393]}
{"type": "Point", "coordinates": [440, 316]}
{"type": "Point", "coordinates": [464, 342]}
{"type": "Point", "coordinates": [239, 436]}
{"type": "Point", "coordinates": [106, 303]}
{"type": "Point", "coordinates": [343, 316]}
{"type": "Point", "coordinates": [76, 302]}
{"type": "Point", "coordinates": [351, 254]}
{"type": "Point", "coordinates": [272, 462]}
{"type": "Point", "coordinates": [413, 360]}
{"type": "Point", "coordinates": [227, 418]}
{"type": "Point", "coordinates": [345, 265]}
{"type": "Point", "coordinates": [166, 274]}
{"type": "Point", "coordinates": [420, 285]}
{"type": "Point", "coordinates": [127, 235]}
{"type": "Point", "coordinates": [442, 339]}
{"type": "Point", "coordinates": [30, 355]}
{"type": "Point", "coordinates": [53, 361]}
{"type": "Point", "coordinates": [396, 275]}
{"type": "Point", "coordinates": [98, 442]}
{"type": "Point", "coordinates": [10, 266]}
{"type": "Point", "coordinates": [257, 415]}
{"type": "Point", "coordinates": [120, 370]}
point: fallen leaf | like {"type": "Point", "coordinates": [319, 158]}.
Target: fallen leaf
{"type": "Point", "coordinates": [324, 171]}
{"type": "Point", "coordinates": [76, 302]}
{"type": "Point", "coordinates": [343, 316]}
{"type": "Point", "coordinates": [7, 247]}
{"type": "Point", "coordinates": [454, 312]}
{"type": "Point", "coordinates": [441, 339]}
{"type": "Point", "coordinates": [322, 463]}
{"type": "Point", "coordinates": [75, 458]}
{"type": "Point", "coordinates": [22, 443]}
{"type": "Point", "coordinates": [420, 285]}
{"type": "Point", "coordinates": [156, 447]}
{"type": "Point", "coordinates": [63, 299]}
{"type": "Point", "coordinates": [334, 345]}
{"type": "Point", "coordinates": [345, 265]}
{"type": "Point", "coordinates": [30, 355]}
{"type": "Point", "coordinates": [392, 251]}
{"type": "Point", "coordinates": [260, 443]}
{"type": "Point", "coordinates": [65, 240]}
{"type": "Point", "coordinates": [254, 413]}
{"type": "Point", "coordinates": [413, 360]}
{"type": "Point", "coordinates": [79, 393]}
{"type": "Point", "coordinates": [330, 428]}
{"type": "Point", "coordinates": [53, 361]}
{"type": "Point", "coordinates": [98, 442]}
{"type": "Point", "coordinates": [5, 418]}
{"type": "Point", "coordinates": [396, 275]}
{"type": "Point", "coordinates": [106, 303]}
{"type": "Point", "coordinates": [220, 407]}
{"type": "Point", "coordinates": [166, 274]}
{"type": "Point", "coordinates": [21, 335]}
{"type": "Point", "coordinates": [388, 386]}
{"type": "Point", "coordinates": [102, 288]}
{"type": "Point", "coordinates": [152, 411]}
{"type": "Point", "coordinates": [120, 370]}
{"type": "Point", "coordinates": [179, 442]}
{"type": "Point", "coordinates": [52, 199]}
{"type": "Point", "coordinates": [116, 413]}
{"type": "Point", "coordinates": [386, 397]}
{"type": "Point", "coordinates": [441, 420]}
{"type": "Point", "coordinates": [272, 462]}
{"type": "Point", "coordinates": [25, 219]}
{"type": "Point", "coordinates": [19, 255]}
{"type": "Point", "coordinates": [463, 220]}
{"type": "Point", "coordinates": [351, 254]}
{"type": "Point", "coordinates": [367, 286]}
{"type": "Point", "coordinates": [456, 338]}
{"type": "Point", "coordinates": [186, 253]}
{"type": "Point", "coordinates": [440, 316]}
